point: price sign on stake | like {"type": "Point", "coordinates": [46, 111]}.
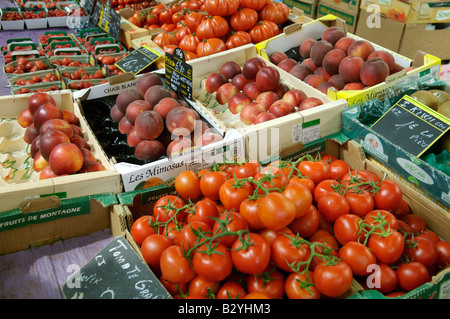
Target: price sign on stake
{"type": "Point", "coordinates": [412, 125]}
{"type": "Point", "coordinates": [138, 60]}
{"type": "Point", "coordinates": [116, 272]}
{"type": "Point", "coordinates": [178, 73]}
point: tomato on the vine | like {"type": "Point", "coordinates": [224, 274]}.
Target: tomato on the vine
{"type": "Point", "coordinates": [388, 248]}
{"type": "Point", "coordinates": [271, 178]}
{"type": "Point", "coordinates": [421, 249]}
{"type": "Point", "coordinates": [307, 224]}
{"type": "Point", "coordinates": [168, 208]}
{"type": "Point", "coordinates": [269, 282]}
{"type": "Point", "coordinates": [275, 210]}
{"type": "Point", "coordinates": [210, 183]}
{"type": "Point", "coordinates": [213, 264]}
{"type": "Point", "coordinates": [412, 275]}
{"type": "Point", "coordinates": [187, 185]}
{"type": "Point", "coordinates": [333, 280]}
{"type": "Point", "coordinates": [249, 210]}
{"type": "Point", "coordinates": [416, 222]}
{"type": "Point", "coordinates": [233, 192]}
{"type": "Point", "coordinates": [193, 233]}
{"type": "Point", "coordinates": [251, 254]}
{"type": "Point", "coordinates": [200, 286]}
{"type": "Point", "coordinates": [231, 290]}
{"type": "Point", "coordinates": [152, 247]}
{"type": "Point", "coordinates": [175, 267]}
{"type": "Point", "coordinates": [229, 221]}
{"type": "Point", "coordinates": [142, 228]}
{"type": "Point", "coordinates": [318, 170]}
{"type": "Point", "coordinates": [388, 196]}
{"type": "Point", "coordinates": [331, 205]}
{"type": "Point", "coordinates": [347, 228]}
{"type": "Point", "coordinates": [300, 196]}
{"type": "Point", "coordinates": [248, 169]}
{"type": "Point", "coordinates": [301, 286]}
{"type": "Point", "coordinates": [204, 211]}
{"type": "Point", "coordinates": [358, 257]}
{"type": "Point", "coordinates": [360, 202]}
{"type": "Point", "coordinates": [289, 253]}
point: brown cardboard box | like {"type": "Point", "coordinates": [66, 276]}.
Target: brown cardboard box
{"type": "Point", "coordinates": [414, 11]}
{"type": "Point", "coordinates": [309, 7]}
{"type": "Point", "coordinates": [347, 10]}
{"type": "Point", "coordinates": [405, 38]}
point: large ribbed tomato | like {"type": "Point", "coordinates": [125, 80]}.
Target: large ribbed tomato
{"type": "Point", "coordinates": [221, 7]}
{"type": "Point", "coordinates": [189, 43]}
{"type": "Point", "coordinates": [275, 11]}
{"type": "Point", "coordinates": [253, 4]}
{"type": "Point", "coordinates": [212, 27]}
{"type": "Point", "coordinates": [210, 46]}
{"type": "Point", "coordinates": [263, 30]}
{"type": "Point", "coordinates": [163, 39]}
{"type": "Point", "coordinates": [238, 38]}
{"type": "Point", "coordinates": [243, 19]}
{"type": "Point", "coordinates": [193, 19]}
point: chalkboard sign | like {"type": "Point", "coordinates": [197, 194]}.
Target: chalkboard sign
{"type": "Point", "coordinates": [116, 272]}
{"type": "Point", "coordinates": [108, 20]}
{"type": "Point", "coordinates": [88, 6]}
{"type": "Point", "coordinates": [178, 74]}
{"type": "Point", "coordinates": [95, 16]}
{"type": "Point", "coordinates": [411, 125]}
{"type": "Point", "coordinates": [138, 60]}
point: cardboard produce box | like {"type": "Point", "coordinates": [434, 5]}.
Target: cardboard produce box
{"type": "Point", "coordinates": [406, 38]}
{"type": "Point", "coordinates": [347, 10]}
{"type": "Point", "coordinates": [128, 31]}
{"type": "Point", "coordinates": [141, 202]}
{"type": "Point", "coordinates": [268, 139]}
{"type": "Point", "coordinates": [309, 7]}
{"type": "Point", "coordinates": [135, 174]}
{"type": "Point", "coordinates": [423, 11]}
{"type": "Point", "coordinates": [48, 219]}
{"type": "Point", "coordinates": [20, 183]}
{"type": "Point", "coordinates": [425, 64]}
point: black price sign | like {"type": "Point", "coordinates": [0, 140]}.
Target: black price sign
{"type": "Point", "coordinates": [138, 60]}
{"type": "Point", "coordinates": [107, 19]}
{"type": "Point", "coordinates": [88, 5]}
{"type": "Point", "coordinates": [116, 272]}
{"type": "Point", "coordinates": [411, 125]}
{"type": "Point", "coordinates": [178, 74]}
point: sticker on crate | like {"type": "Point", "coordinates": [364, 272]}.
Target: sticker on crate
{"type": "Point", "coordinates": [116, 272]}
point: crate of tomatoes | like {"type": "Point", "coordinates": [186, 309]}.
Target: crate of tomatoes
{"type": "Point", "coordinates": [319, 225]}
{"type": "Point", "coordinates": [11, 19]}
{"type": "Point", "coordinates": [35, 15]}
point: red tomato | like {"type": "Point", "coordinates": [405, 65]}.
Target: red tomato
{"type": "Point", "coordinates": [388, 196]}
{"type": "Point", "coordinates": [142, 228]}
{"type": "Point", "coordinates": [249, 210]}
{"type": "Point", "coordinates": [384, 279]}
{"type": "Point", "coordinates": [269, 282]}
{"type": "Point", "coordinates": [360, 202]}
{"type": "Point", "coordinates": [325, 186]}
{"type": "Point", "coordinates": [204, 211]}
{"type": "Point", "coordinates": [346, 228]}
{"type": "Point", "coordinates": [412, 275]}
{"type": "Point", "coordinates": [306, 181]}
{"type": "Point", "coordinates": [323, 236]}
{"type": "Point", "coordinates": [152, 247]}
{"type": "Point", "coordinates": [200, 286]}
{"type": "Point", "coordinates": [271, 178]}
{"type": "Point", "coordinates": [443, 248]}
{"type": "Point", "coordinates": [338, 168]}
{"type": "Point", "coordinates": [231, 290]}
{"type": "Point", "coordinates": [252, 254]}
{"type": "Point", "coordinates": [388, 249]}
{"type": "Point", "coordinates": [307, 224]}
{"type": "Point", "coordinates": [421, 249]}
{"type": "Point", "coordinates": [187, 185]}
{"type": "Point", "coordinates": [301, 286]}
{"type": "Point", "coordinates": [429, 234]}
{"type": "Point", "coordinates": [289, 253]}
{"type": "Point", "coordinates": [233, 192]}
{"type": "Point", "coordinates": [174, 289]}
{"type": "Point", "coordinates": [175, 267]}
{"type": "Point", "coordinates": [333, 280]}
{"type": "Point", "coordinates": [317, 170]}
{"type": "Point", "coordinates": [416, 222]}
{"type": "Point", "coordinates": [229, 221]}
{"type": "Point", "coordinates": [193, 233]}
{"type": "Point", "coordinates": [402, 209]}
{"type": "Point", "coordinates": [213, 265]}
{"type": "Point", "coordinates": [270, 234]}
{"type": "Point", "coordinates": [301, 197]}
{"type": "Point", "coordinates": [358, 257]}
{"type": "Point", "coordinates": [331, 205]}
{"type": "Point", "coordinates": [275, 211]}
{"type": "Point", "coordinates": [210, 183]}
{"type": "Point", "coordinates": [248, 169]}
{"type": "Point", "coordinates": [382, 218]}
{"type": "Point", "coordinates": [167, 208]}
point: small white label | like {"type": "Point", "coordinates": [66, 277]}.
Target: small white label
{"type": "Point", "coordinates": [296, 133]}
{"type": "Point", "coordinates": [442, 15]}
{"type": "Point", "coordinates": [311, 133]}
